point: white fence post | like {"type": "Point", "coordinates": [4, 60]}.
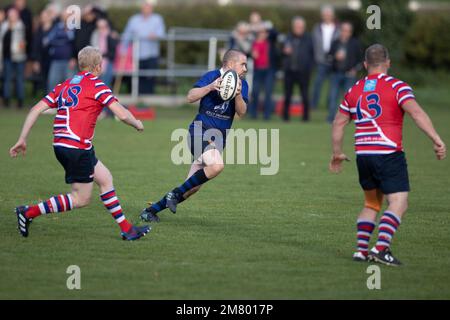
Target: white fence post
{"type": "Point", "coordinates": [136, 70]}
{"type": "Point", "coordinates": [212, 53]}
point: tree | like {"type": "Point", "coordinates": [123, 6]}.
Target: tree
{"type": "Point", "coordinates": [395, 18]}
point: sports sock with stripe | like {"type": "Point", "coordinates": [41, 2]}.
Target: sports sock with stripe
{"type": "Point", "coordinates": [387, 227]}
{"type": "Point", "coordinates": [197, 179]}
{"type": "Point", "coordinates": [60, 203]}
{"type": "Point", "coordinates": [363, 234]}
{"type": "Point", "coordinates": [112, 204]}
{"type": "Point", "coordinates": [162, 204]}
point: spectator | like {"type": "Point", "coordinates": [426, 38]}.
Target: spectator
{"type": "Point", "coordinates": [299, 58]}
{"type": "Point", "coordinates": [39, 54]}
{"type": "Point", "coordinates": [255, 21]}
{"type": "Point", "coordinates": [12, 35]}
{"type": "Point", "coordinates": [54, 10]}
{"type": "Point", "coordinates": [147, 27]}
{"type": "Point", "coordinates": [2, 19]}
{"type": "Point", "coordinates": [87, 27]}
{"type": "Point", "coordinates": [324, 34]}
{"type": "Point", "coordinates": [106, 41]}
{"type": "Point", "coordinates": [264, 54]}
{"type": "Point", "coordinates": [60, 42]}
{"type": "Point", "coordinates": [346, 60]}
{"type": "Point", "coordinates": [241, 38]}
{"type": "Point", "coordinates": [27, 19]}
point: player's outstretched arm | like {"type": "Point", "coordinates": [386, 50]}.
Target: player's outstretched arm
{"type": "Point", "coordinates": [196, 94]}
{"type": "Point", "coordinates": [125, 116]}
{"type": "Point", "coordinates": [337, 137]}
{"type": "Point", "coordinates": [423, 121]}
{"type": "Point", "coordinates": [21, 144]}
{"type": "Point", "coordinates": [240, 105]}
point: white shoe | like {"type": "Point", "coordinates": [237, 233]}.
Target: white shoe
{"type": "Point", "coordinates": [358, 256]}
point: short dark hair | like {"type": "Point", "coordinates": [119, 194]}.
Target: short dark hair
{"type": "Point", "coordinates": [376, 54]}
{"type": "Point", "coordinates": [231, 55]}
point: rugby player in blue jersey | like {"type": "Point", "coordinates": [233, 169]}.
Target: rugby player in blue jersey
{"type": "Point", "coordinates": [208, 131]}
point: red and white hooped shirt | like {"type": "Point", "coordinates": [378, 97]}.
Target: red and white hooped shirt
{"type": "Point", "coordinates": [374, 103]}
{"type": "Point", "coordinates": [79, 100]}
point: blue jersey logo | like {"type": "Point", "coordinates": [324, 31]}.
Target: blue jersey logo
{"type": "Point", "coordinates": [221, 108]}
{"type": "Point", "coordinates": [76, 79]}
{"type": "Point", "coordinates": [370, 85]}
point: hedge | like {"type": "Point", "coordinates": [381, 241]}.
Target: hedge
{"type": "Point", "coordinates": [419, 40]}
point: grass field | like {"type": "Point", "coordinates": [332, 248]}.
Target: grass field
{"type": "Point", "coordinates": [244, 236]}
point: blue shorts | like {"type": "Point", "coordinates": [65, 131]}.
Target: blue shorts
{"type": "Point", "coordinates": [78, 164]}
{"type": "Point", "coordinates": [389, 172]}
{"type": "Point", "coordinates": [213, 143]}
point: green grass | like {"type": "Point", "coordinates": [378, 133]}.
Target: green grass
{"type": "Point", "coordinates": [244, 236]}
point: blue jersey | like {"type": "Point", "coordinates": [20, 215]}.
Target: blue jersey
{"type": "Point", "coordinates": [214, 112]}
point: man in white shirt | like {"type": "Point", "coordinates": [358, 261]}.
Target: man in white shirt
{"type": "Point", "coordinates": [324, 34]}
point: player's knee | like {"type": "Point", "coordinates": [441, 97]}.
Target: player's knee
{"type": "Point", "coordinates": [213, 170]}
{"type": "Point", "coordinates": [218, 168]}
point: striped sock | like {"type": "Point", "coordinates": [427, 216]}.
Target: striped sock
{"type": "Point", "coordinates": [198, 178]}
{"type": "Point", "coordinates": [386, 229]}
{"type": "Point", "coordinates": [162, 204]}
{"type": "Point", "coordinates": [365, 229]}
{"type": "Point", "coordinates": [111, 203]}
{"type": "Point", "coordinates": [59, 203]}
{"type": "Point", "coordinates": [158, 206]}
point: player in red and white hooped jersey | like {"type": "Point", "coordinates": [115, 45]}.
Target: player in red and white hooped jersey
{"type": "Point", "coordinates": [74, 127]}
{"type": "Point", "coordinates": [377, 104]}
{"type": "Point", "coordinates": [79, 100]}
{"type": "Point", "coordinates": [378, 130]}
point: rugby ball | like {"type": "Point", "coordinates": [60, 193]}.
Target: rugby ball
{"type": "Point", "coordinates": [229, 85]}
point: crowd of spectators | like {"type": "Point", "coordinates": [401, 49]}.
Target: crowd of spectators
{"type": "Point", "coordinates": [45, 48]}
{"type": "Point", "coordinates": [330, 50]}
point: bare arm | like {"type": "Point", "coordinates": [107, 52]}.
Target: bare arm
{"type": "Point", "coordinates": [240, 105]}
{"type": "Point", "coordinates": [125, 116]}
{"type": "Point", "coordinates": [196, 94]}
{"type": "Point", "coordinates": [21, 144]}
{"type": "Point", "coordinates": [337, 137]}
{"type": "Point", "coordinates": [423, 121]}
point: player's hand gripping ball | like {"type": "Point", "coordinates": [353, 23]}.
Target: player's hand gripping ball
{"type": "Point", "coordinates": [229, 85]}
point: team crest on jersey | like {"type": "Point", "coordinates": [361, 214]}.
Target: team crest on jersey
{"type": "Point", "coordinates": [221, 108]}
{"type": "Point", "coordinates": [370, 85]}
{"type": "Point", "coordinates": [76, 79]}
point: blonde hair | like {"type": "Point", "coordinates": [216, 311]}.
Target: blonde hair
{"type": "Point", "coordinates": [89, 57]}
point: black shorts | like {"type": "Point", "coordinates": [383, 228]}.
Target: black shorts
{"type": "Point", "coordinates": [389, 172]}
{"type": "Point", "coordinates": [78, 164]}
